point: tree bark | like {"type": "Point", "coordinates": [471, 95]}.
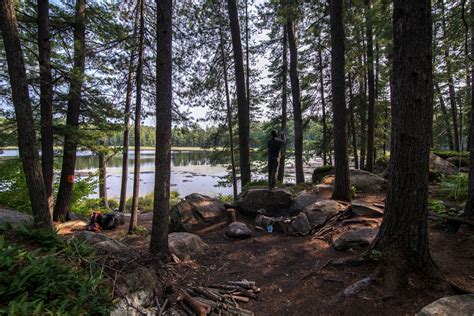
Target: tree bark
{"type": "Point", "coordinates": [371, 90]}
{"type": "Point", "coordinates": [63, 201]}
{"type": "Point", "coordinates": [469, 208]}
{"type": "Point", "coordinates": [138, 118]}
{"type": "Point", "coordinates": [352, 124]}
{"type": "Point", "coordinates": [451, 91]}
{"type": "Point", "coordinates": [24, 116]}
{"type": "Point", "coordinates": [103, 180]}
{"type": "Point", "coordinates": [295, 92]}
{"type": "Point", "coordinates": [164, 63]}
{"type": "Point", "coordinates": [403, 235]}
{"type": "Point", "coordinates": [446, 117]}
{"type": "Point", "coordinates": [284, 102]}
{"type": "Point", "coordinates": [247, 52]}
{"type": "Point", "coordinates": [46, 100]}
{"type": "Point", "coordinates": [324, 144]}
{"type": "Point", "coordinates": [126, 123]}
{"type": "Point", "coordinates": [341, 186]}
{"type": "Point", "coordinates": [229, 108]}
{"type": "Point", "coordinates": [243, 107]}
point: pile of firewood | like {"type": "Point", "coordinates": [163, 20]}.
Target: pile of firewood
{"type": "Point", "coordinates": [221, 299]}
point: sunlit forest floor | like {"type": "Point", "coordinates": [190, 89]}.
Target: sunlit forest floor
{"type": "Point", "coordinates": [287, 269]}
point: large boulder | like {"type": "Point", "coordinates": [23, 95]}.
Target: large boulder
{"type": "Point", "coordinates": [355, 239]}
{"type": "Point", "coordinates": [458, 305]}
{"type": "Point", "coordinates": [459, 161]}
{"type": "Point", "coordinates": [101, 242]}
{"type": "Point", "coordinates": [14, 218]}
{"type": "Point", "coordinates": [320, 172]}
{"type": "Point", "coordinates": [363, 181]}
{"type": "Point", "coordinates": [186, 245]}
{"type": "Point", "coordinates": [195, 212]}
{"type": "Point", "coordinates": [275, 202]}
{"type": "Point", "coordinates": [440, 166]}
{"type": "Point", "coordinates": [318, 213]}
{"type": "Point", "coordinates": [138, 292]}
{"type": "Point", "coordinates": [302, 200]}
{"type": "Point", "coordinates": [238, 230]}
{"type": "Point", "coordinates": [366, 210]}
{"type": "Point", "coordinates": [299, 225]}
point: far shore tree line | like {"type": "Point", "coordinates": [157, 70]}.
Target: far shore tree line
{"type": "Point", "coordinates": [373, 87]}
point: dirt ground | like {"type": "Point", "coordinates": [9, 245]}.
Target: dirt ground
{"type": "Point", "coordinates": [283, 267]}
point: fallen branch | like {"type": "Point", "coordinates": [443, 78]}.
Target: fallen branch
{"type": "Point", "coordinates": [455, 219]}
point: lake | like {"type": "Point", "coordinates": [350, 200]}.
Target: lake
{"type": "Point", "coordinates": [191, 171]}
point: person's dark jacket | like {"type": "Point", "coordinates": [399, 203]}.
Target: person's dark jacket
{"type": "Point", "coordinates": [274, 147]}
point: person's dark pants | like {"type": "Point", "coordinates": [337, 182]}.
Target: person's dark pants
{"type": "Point", "coordinates": [273, 164]}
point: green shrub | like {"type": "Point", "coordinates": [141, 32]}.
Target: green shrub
{"type": "Point", "coordinates": [34, 283]}
{"type": "Point", "coordinates": [225, 198]}
{"type": "Point", "coordinates": [13, 189]}
{"type": "Point", "coordinates": [113, 203]}
{"type": "Point", "coordinates": [445, 154]}
{"type": "Point", "coordinates": [145, 203]}
{"type": "Point", "coordinates": [454, 187]}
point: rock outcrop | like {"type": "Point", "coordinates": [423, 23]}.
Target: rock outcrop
{"type": "Point", "coordinates": [363, 181]}
{"type": "Point", "coordinates": [275, 202]}
{"type": "Point", "coordinates": [320, 172]}
{"type": "Point", "coordinates": [238, 230]}
{"type": "Point", "coordinates": [101, 242]}
{"type": "Point", "coordinates": [318, 213]}
{"type": "Point", "coordinates": [302, 200]}
{"type": "Point", "coordinates": [14, 218]}
{"type": "Point", "coordinates": [450, 305]}
{"type": "Point", "coordinates": [196, 212]}
{"type": "Point", "coordinates": [186, 245]}
{"type": "Point", "coordinates": [440, 166]}
{"type": "Point", "coordinates": [355, 239]}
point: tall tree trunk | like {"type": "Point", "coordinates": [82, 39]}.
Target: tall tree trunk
{"type": "Point", "coordinates": [63, 201]}
{"type": "Point", "coordinates": [24, 116]}
{"type": "Point", "coordinates": [363, 117]}
{"type": "Point", "coordinates": [469, 208]}
{"type": "Point", "coordinates": [284, 102]}
{"type": "Point", "coordinates": [446, 117]}
{"type": "Point", "coordinates": [103, 180]}
{"type": "Point", "coordinates": [352, 124]}
{"type": "Point", "coordinates": [324, 144]}
{"type": "Point", "coordinates": [377, 69]}
{"type": "Point", "coordinates": [126, 123]}
{"type": "Point", "coordinates": [164, 64]}
{"type": "Point", "coordinates": [403, 235]}
{"type": "Point", "coordinates": [46, 100]}
{"type": "Point", "coordinates": [243, 107]}
{"type": "Point", "coordinates": [295, 92]}
{"type": "Point", "coordinates": [138, 118]}
{"type": "Point", "coordinates": [247, 52]}
{"type": "Point", "coordinates": [451, 91]}
{"type": "Point", "coordinates": [341, 186]}
{"type": "Point", "coordinates": [371, 89]}
{"type": "Point", "coordinates": [228, 107]}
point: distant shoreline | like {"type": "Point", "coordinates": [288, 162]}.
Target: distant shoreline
{"type": "Point", "coordinates": [174, 148]}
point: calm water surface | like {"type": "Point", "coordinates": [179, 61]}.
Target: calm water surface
{"type": "Point", "coordinates": [190, 172]}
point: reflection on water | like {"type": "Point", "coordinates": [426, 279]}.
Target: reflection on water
{"type": "Point", "coordinates": [190, 172]}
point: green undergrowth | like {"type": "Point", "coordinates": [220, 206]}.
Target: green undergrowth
{"type": "Point", "coordinates": [454, 187]}
{"type": "Point", "coordinates": [445, 154]}
{"type": "Point", "coordinates": [42, 274]}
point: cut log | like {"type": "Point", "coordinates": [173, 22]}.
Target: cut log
{"type": "Point", "coordinates": [230, 215]}
{"type": "Point", "coordinates": [197, 307]}
{"type": "Point", "coordinates": [212, 228]}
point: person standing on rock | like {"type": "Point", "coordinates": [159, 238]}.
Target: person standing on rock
{"type": "Point", "coordinates": [274, 148]}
